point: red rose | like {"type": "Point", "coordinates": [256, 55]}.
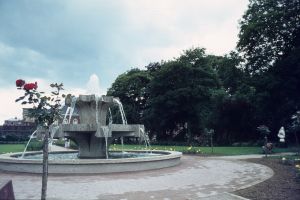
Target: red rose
{"type": "Point", "coordinates": [30, 86]}
{"type": "Point", "coordinates": [20, 82]}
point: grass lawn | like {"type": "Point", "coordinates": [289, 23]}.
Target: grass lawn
{"type": "Point", "coordinates": [6, 148]}
{"type": "Point", "coordinates": [204, 150]}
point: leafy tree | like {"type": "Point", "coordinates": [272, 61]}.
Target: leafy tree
{"type": "Point", "coordinates": [269, 31]}
{"type": "Point", "coordinates": [193, 56]}
{"type": "Point", "coordinates": [234, 116]}
{"type": "Point", "coordinates": [277, 92]}
{"type": "Point", "coordinates": [130, 87]}
{"type": "Point", "coordinates": [233, 109]}
{"type": "Point", "coordinates": [229, 73]}
{"type": "Point", "coordinates": [180, 93]}
{"type": "Point", "coordinates": [153, 67]}
{"type": "Point", "coordinates": [269, 40]}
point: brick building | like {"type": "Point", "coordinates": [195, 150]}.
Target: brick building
{"type": "Point", "coordinates": [21, 129]}
{"type": "Point", "coordinates": [16, 129]}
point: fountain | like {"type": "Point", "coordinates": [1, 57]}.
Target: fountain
{"type": "Point", "coordinates": [93, 135]}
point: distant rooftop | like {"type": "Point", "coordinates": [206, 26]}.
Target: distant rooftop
{"type": "Point", "coordinates": [15, 119]}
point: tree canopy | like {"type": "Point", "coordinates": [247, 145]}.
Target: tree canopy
{"type": "Point", "coordinates": [180, 93]}
{"type": "Point", "coordinates": [270, 30]}
{"type": "Point", "coordinates": [130, 87]}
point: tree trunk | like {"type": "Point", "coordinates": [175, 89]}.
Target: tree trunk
{"type": "Point", "coordinates": [297, 141]}
{"type": "Point", "coordinates": [45, 166]}
{"type": "Point", "coordinates": [211, 143]}
{"type": "Point", "coordinates": [189, 133]}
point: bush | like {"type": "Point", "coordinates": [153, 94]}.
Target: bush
{"type": "Point", "coordinates": [35, 145]}
{"type": "Point", "coordinates": [191, 150]}
{"type": "Point", "coordinates": [61, 143]}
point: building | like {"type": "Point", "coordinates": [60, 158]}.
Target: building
{"type": "Point", "coordinates": [16, 129]}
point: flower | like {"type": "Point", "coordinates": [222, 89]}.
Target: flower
{"type": "Point", "coordinates": [20, 82]}
{"type": "Point", "coordinates": [283, 158]}
{"type": "Point", "coordinates": [30, 86]}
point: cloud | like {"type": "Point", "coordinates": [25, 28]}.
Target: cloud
{"type": "Point", "coordinates": [67, 41]}
{"type": "Point", "coordinates": [9, 108]}
{"type": "Point", "coordinates": [72, 39]}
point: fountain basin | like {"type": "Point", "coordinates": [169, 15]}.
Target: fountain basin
{"type": "Point", "coordinates": [10, 162]}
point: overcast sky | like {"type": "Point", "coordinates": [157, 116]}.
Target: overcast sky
{"type": "Point", "coordinates": [78, 42]}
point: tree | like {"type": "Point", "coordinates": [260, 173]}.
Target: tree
{"type": "Point", "coordinates": [233, 109]}
{"type": "Point", "coordinates": [233, 116]}
{"type": "Point", "coordinates": [180, 93]}
{"type": "Point", "coordinates": [269, 31]}
{"type": "Point", "coordinates": [295, 127]}
{"type": "Point", "coordinates": [269, 40]}
{"type": "Point", "coordinates": [130, 87]}
{"type": "Point", "coordinates": [277, 92]}
{"type": "Point", "coordinates": [229, 72]}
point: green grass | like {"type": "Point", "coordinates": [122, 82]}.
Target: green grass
{"type": "Point", "coordinates": [7, 148]}
{"type": "Point", "coordinates": [204, 150]}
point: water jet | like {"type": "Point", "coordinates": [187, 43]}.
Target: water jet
{"type": "Point", "coordinates": [93, 135]}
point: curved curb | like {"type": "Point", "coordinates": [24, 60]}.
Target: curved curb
{"type": "Point", "coordinates": [9, 162]}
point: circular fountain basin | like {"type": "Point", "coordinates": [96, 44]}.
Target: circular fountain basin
{"type": "Point", "coordinates": [155, 160]}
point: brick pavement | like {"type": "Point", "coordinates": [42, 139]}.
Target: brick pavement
{"type": "Point", "coordinates": [195, 178]}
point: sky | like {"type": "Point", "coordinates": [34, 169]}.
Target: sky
{"type": "Point", "coordinates": [86, 44]}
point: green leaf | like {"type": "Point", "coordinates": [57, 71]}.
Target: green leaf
{"type": "Point", "coordinates": [20, 98]}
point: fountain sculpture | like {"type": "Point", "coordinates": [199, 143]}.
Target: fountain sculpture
{"type": "Point", "coordinates": [93, 134]}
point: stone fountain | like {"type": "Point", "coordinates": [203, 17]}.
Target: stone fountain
{"type": "Point", "coordinates": [93, 133]}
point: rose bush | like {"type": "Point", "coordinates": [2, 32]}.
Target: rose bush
{"type": "Point", "coordinates": [45, 110]}
{"type": "Point", "coordinates": [30, 86]}
{"type": "Point", "coordinates": [20, 83]}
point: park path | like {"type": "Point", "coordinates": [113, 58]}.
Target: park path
{"type": "Point", "coordinates": [245, 157]}
{"type": "Point", "coordinates": [195, 178]}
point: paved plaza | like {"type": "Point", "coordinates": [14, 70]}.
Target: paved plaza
{"type": "Point", "coordinates": [195, 178]}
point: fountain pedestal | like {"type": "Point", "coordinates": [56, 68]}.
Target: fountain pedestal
{"type": "Point", "coordinates": [93, 135]}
